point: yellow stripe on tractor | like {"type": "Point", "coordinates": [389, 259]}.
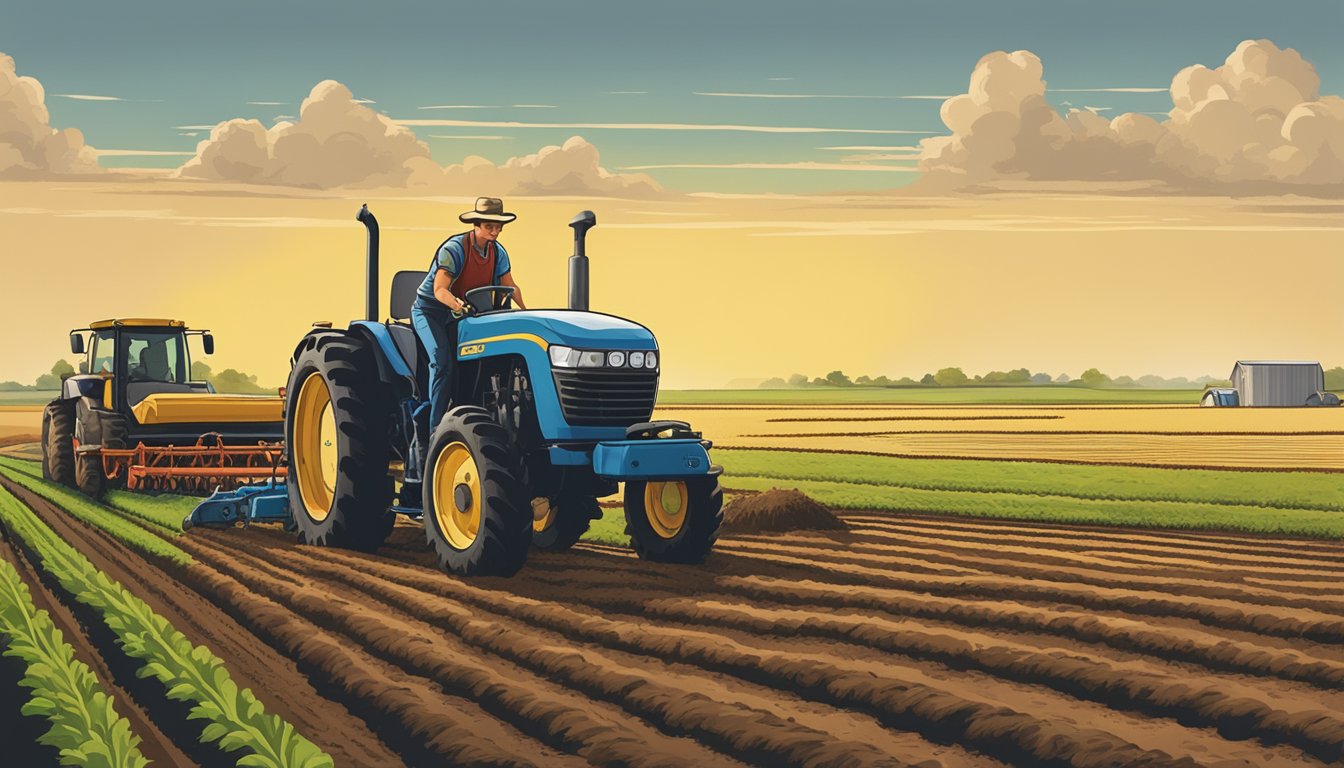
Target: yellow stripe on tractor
{"type": "Point", "coordinates": [194, 408]}
{"type": "Point", "coordinates": [478, 346]}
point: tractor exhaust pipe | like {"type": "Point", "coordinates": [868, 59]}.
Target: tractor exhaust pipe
{"type": "Point", "coordinates": [371, 279]}
{"type": "Point", "coordinates": [578, 263]}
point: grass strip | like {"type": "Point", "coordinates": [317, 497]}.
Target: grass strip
{"type": "Point", "coordinates": [1061, 509]}
{"type": "Point", "coordinates": [95, 514]}
{"type": "Point", "coordinates": [85, 726]}
{"type": "Point", "coordinates": [234, 718]}
{"type": "Point", "coordinates": [1281, 490]}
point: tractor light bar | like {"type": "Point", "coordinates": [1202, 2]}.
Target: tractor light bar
{"type": "Point", "coordinates": [568, 357]}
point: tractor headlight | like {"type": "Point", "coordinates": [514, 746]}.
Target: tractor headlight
{"type": "Point", "coordinates": [650, 359]}
{"type": "Point", "coordinates": [636, 359]}
{"type": "Point", "coordinates": [616, 359]}
{"type": "Point", "coordinates": [564, 357]}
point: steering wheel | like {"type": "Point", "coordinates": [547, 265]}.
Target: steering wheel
{"type": "Point", "coordinates": [477, 297]}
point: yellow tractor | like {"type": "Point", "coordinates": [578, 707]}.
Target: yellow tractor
{"type": "Point", "coordinates": [136, 419]}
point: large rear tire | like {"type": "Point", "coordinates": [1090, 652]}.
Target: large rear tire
{"type": "Point", "coordinates": [674, 521]}
{"type": "Point", "coordinates": [475, 515]}
{"type": "Point", "coordinates": [562, 521]}
{"type": "Point", "coordinates": [337, 435]}
{"type": "Point", "coordinates": [58, 443]}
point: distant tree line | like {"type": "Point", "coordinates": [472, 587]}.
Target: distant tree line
{"type": "Point", "coordinates": [1092, 378]}
{"type": "Point", "coordinates": [228, 380]}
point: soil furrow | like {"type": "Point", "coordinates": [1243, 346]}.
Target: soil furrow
{"type": "Point", "coordinates": [752, 735]}
{"type": "Point", "coordinates": [274, 679]}
{"type": "Point", "coordinates": [1276, 620]}
{"type": "Point", "coordinates": [1040, 565]}
{"type": "Point", "coordinates": [1183, 698]}
{"type": "Point", "coordinates": [553, 716]}
{"type": "Point", "coordinates": [901, 703]}
{"type": "Point", "coordinates": [1292, 549]}
{"type": "Point", "coordinates": [1174, 558]}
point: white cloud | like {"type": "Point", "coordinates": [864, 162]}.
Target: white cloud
{"type": "Point", "coordinates": [268, 103]}
{"type": "Point", "coordinates": [647, 127]}
{"type": "Point", "coordinates": [337, 141]}
{"type": "Point", "coordinates": [570, 169]}
{"type": "Point", "coordinates": [534, 106]}
{"type": "Point", "coordinates": [1255, 124]}
{"type": "Point", "coordinates": [87, 97]}
{"type": "Point", "coordinates": [458, 106]}
{"type": "Point", "coordinates": [29, 146]}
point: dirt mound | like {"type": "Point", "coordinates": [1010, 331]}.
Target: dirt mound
{"type": "Point", "coordinates": [779, 510]}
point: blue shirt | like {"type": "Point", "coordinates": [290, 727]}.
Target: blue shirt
{"type": "Point", "coordinates": [452, 256]}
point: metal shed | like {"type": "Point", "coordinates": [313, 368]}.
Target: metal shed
{"type": "Point", "coordinates": [1276, 382]}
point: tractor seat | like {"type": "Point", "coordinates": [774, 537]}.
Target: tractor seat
{"type": "Point", "coordinates": [404, 286]}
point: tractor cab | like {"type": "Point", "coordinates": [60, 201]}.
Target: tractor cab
{"type": "Point", "coordinates": [134, 417]}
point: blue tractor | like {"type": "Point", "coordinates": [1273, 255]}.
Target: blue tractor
{"type": "Point", "coordinates": [550, 411]}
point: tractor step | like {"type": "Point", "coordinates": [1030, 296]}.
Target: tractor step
{"type": "Point", "coordinates": [264, 503]}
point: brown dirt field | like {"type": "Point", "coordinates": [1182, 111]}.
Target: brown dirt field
{"type": "Point", "coordinates": [905, 640]}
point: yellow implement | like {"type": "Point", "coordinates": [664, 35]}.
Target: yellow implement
{"type": "Point", "coordinates": [192, 408]}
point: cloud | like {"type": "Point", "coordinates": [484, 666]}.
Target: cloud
{"type": "Point", "coordinates": [339, 142]}
{"type": "Point", "coordinates": [570, 169]}
{"type": "Point", "coordinates": [806, 96]}
{"type": "Point", "coordinates": [29, 146]}
{"type": "Point", "coordinates": [335, 142]}
{"type": "Point", "coordinates": [87, 97]}
{"type": "Point", "coordinates": [1256, 124]}
{"type": "Point", "coordinates": [138, 153]}
{"type": "Point", "coordinates": [1108, 90]}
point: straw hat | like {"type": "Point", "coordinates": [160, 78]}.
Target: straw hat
{"type": "Point", "coordinates": [488, 209]}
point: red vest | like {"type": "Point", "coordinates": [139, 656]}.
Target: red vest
{"type": "Point", "coordinates": [476, 272]}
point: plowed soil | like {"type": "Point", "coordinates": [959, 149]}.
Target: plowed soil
{"type": "Point", "coordinates": [903, 640]}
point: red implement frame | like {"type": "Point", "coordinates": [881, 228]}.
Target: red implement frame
{"type": "Point", "coordinates": [199, 468]}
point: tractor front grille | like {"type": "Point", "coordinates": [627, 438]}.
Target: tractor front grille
{"type": "Point", "coordinates": [606, 397]}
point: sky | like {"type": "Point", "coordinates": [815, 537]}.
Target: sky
{"type": "Point", "coordinates": [534, 73]}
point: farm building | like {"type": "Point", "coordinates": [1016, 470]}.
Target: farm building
{"type": "Point", "coordinates": [1276, 383]}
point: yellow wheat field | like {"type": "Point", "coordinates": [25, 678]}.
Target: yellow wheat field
{"type": "Point", "coordinates": [1180, 436]}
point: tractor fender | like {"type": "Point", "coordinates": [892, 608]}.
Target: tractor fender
{"type": "Point", "coordinates": [83, 385]}
{"type": "Point", "coordinates": [392, 370]}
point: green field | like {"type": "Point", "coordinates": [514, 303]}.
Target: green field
{"type": "Point", "coordinates": [30, 397]}
{"type": "Point", "coordinates": [1039, 395]}
{"type": "Point", "coordinates": [1293, 503]}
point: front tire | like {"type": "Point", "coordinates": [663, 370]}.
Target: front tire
{"type": "Point", "coordinates": [58, 443]}
{"type": "Point", "coordinates": [673, 521]}
{"type": "Point", "coordinates": [563, 521]}
{"type": "Point", "coordinates": [475, 516]}
{"type": "Point", "coordinates": [337, 433]}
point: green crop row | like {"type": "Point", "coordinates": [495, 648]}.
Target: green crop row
{"type": "Point", "coordinates": [234, 718]}
{"type": "Point", "coordinates": [1064, 509]}
{"type": "Point", "coordinates": [91, 512]}
{"type": "Point", "coordinates": [1284, 490]}
{"type": "Point", "coordinates": [85, 726]}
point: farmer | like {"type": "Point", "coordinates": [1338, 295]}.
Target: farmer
{"type": "Point", "coordinates": [463, 262]}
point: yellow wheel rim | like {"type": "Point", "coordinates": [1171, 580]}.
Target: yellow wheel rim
{"type": "Point", "coordinates": [665, 506]}
{"type": "Point", "coordinates": [315, 447]}
{"type": "Point", "coordinates": [542, 516]}
{"type": "Point", "coordinates": [457, 495]}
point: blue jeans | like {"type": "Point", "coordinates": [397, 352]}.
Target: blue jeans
{"type": "Point", "coordinates": [433, 324]}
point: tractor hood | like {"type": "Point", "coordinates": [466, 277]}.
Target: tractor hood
{"type": "Point", "coordinates": [571, 328]}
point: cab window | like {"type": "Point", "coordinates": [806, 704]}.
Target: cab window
{"type": "Point", "coordinates": [155, 357]}
{"type": "Point", "coordinates": [103, 353]}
